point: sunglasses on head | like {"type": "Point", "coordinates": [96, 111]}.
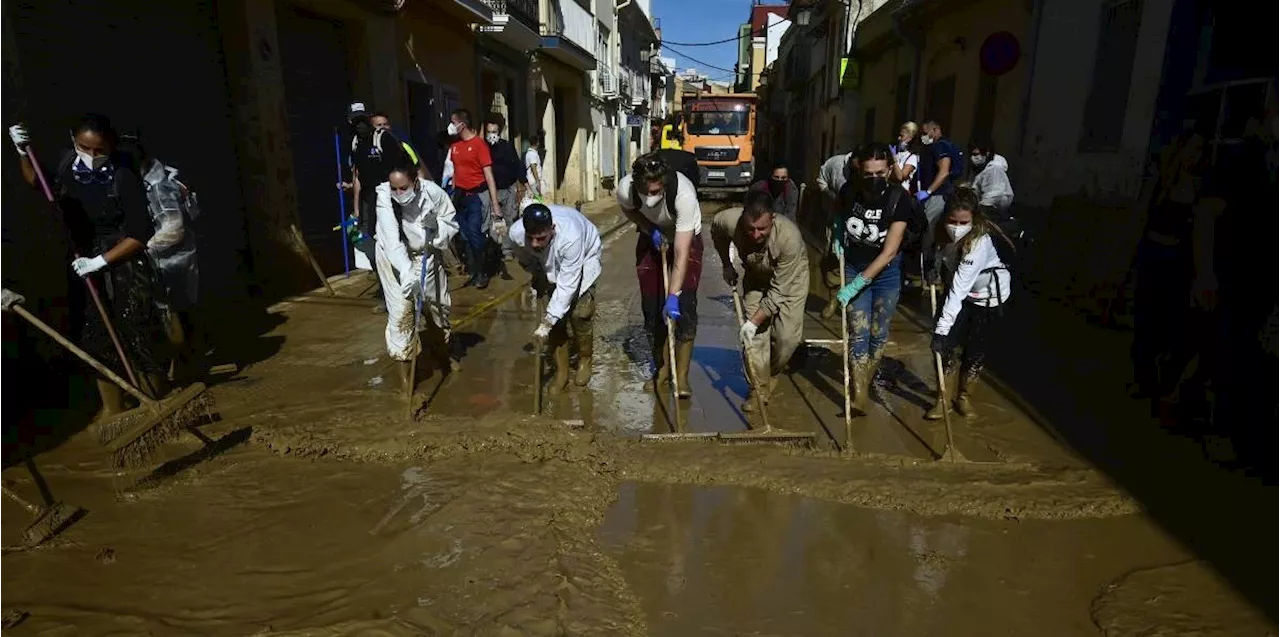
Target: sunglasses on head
{"type": "Point", "coordinates": [652, 164]}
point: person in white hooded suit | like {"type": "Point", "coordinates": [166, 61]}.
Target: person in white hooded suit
{"type": "Point", "coordinates": [416, 222]}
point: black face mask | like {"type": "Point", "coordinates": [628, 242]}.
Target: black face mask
{"type": "Point", "coordinates": [363, 129]}
{"type": "Point", "coordinates": [874, 187]}
{"type": "Point", "coordinates": [776, 186]}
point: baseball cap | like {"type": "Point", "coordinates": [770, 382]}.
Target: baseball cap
{"type": "Point", "coordinates": [357, 109]}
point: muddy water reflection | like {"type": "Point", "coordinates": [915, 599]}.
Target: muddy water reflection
{"type": "Point", "coordinates": [722, 560]}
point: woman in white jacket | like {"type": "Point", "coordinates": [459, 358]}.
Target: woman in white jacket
{"type": "Point", "coordinates": [416, 222]}
{"type": "Point", "coordinates": [979, 286]}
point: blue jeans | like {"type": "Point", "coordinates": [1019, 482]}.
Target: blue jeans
{"type": "Point", "coordinates": [471, 224]}
{"type": "Point", "coordinates": [870, 312]}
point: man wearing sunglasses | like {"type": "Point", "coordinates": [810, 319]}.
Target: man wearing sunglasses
{"type": "Point", "coordinates": [663, 204]}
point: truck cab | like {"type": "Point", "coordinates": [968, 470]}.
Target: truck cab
{"type": "Point", "coordinates": [720, 132]}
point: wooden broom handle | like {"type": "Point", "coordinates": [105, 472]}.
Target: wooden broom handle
{"type": "Point", "coordinates": [84, 356]}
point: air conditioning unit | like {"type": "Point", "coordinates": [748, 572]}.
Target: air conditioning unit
{"type": "Point", "coordinates": [608, 83]}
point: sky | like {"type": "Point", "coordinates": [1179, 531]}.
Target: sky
{"type": "Point", "coordinates": [703, 21]}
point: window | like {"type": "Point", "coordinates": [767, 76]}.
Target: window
{"type": "Point", "coordinates": [1108, 99]}
{"type": "Point", "coordinates": [984, 113]}
{"type": "Point", "coordinates": [902, 100]}
{"type": "Point", "coordinates": [940, 100]}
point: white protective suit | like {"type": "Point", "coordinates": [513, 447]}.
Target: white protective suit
{"type": "Point", "coordinates": [173, 246]}
{"type": "Point", "coordinates": [980, 278]}
{"type": "Point", "coordinates": [411, 238]}
{"type": "Point", "coordinates": [992, 184]}
{"type": "Point", "coordinates": [572, 261]}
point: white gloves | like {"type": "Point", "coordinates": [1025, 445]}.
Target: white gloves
{"type": "Point", "coordinates": [543, 331]}
{"type": "Point", "coordinates": [9, 298]}
{"type": "Point", "coordinates": [85, 266]}
{"type": "Point", "coordinates": [748, 331]}
{"type": "Point", "coordinates": [408, 284]}
{"type": "Point", "coordinates": [18, 134]}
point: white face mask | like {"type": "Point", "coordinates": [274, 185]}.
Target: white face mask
{"type": "Point", "coordinates": [653, 200]}
{"type": "Point", "coordinates": [492, 138]}
{"type": "Point", "coordinates": [957, 231]}
{"type": "Point", "coordinates": [91, 162]}
{"type": "Point", "coordinates": [926, 139]}
{"type": "Point", "coordinates": [452, 129]}
{"type": "Point", "coordinates": [403, 198]}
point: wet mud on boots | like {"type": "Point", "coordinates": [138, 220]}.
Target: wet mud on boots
{"type": "Point", "coordinates": [586, 348]}
{"type": "Point", "coordinates": [860, 385]}
{"type": "Point", "coordinates": [662, 373]}
{"type": "Point", "coordinates": [963, 403]}
{"type": "Point", "coordinates": [684, 355]}
{"type": "Point", "coordinates": [560, 357]}
{"type": "Point", "coordinates": [937, 411]}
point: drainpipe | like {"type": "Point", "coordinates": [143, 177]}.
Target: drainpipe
{"type": "Point", "coordinates": [1037, 19]}
{"type": "Point", "coordinates": [917, 55]}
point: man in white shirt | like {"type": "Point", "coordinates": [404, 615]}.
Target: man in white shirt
{"type": "Point", "coordinates": [561, 248]}
{"type": "Point", "coordinates": [663, 204]}
{"type": "Point", "coordinates": [533, 167]}
{"type": "Point", "coordinates": [416, 222]}
{"type": "Point", "coordinates": [835, 172]}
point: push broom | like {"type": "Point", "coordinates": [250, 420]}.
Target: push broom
{"type": "Point", "coordinates": [146, 427]}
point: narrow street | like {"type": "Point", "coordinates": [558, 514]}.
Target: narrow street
{"type": "Point", "coordinates": [324, 510]}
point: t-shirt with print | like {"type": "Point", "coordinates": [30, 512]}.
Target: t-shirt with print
{"type": "Point", "coordinates": [867, 226]}
{"type": "Point", "coordinates": [688, 212]}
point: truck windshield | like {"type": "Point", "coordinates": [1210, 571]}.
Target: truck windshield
{"type": "Point", "coordinates": [718, 123]}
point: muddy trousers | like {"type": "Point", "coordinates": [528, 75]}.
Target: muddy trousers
{"type": "Point", "coordinates": [967, 341]}
{"type": "Point", "coordinates": [574, 329]}
{"type": "Point", "coordinates": [776, 340]}
{"type": "Point", "coordinates": [403, 343]}
{"type": "Point", "coordinates": [653, 295]}
{"type": "Point", "coordinates": [871, 311]}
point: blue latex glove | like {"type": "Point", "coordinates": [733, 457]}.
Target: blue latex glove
{"type": "Point", "coordinates": [893, 149]}
{"type": "Point", "coordinates": [671, 309]}
{"type": "Point", "coordinates": [656, 237]}
{"type": "Point", "coordinates": [922, 195]}
{"type": "Point", "coordinates": [851, 289]}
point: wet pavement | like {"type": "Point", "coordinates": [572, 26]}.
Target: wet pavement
{"type": "Point", "coordinates": [326, 511]}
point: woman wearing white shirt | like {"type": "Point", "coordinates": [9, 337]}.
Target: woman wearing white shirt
{"type": "Point", "coordinates": [980, 285]}
{"type": "Point", "coordinates": [416, 222]}
{"type": "Point", "coordinates": [533, 167]}
{"type": "Point", "coordinates": [906, 158]}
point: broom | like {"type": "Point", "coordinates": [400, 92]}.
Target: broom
{"type": "Point", "coordinates": [148, 426]}
{"type": "Point", "coordinates": [48, 520]}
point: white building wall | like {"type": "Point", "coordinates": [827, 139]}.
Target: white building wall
{"type": "Point", "coordinates": [1050, 163]}
{"type": "Point", "coordinates": [773, 33]}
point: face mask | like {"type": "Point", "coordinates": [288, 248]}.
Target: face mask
{"type": "Point", "coordinates": [874, 186]}
{"type": "Point", "coordinates": [652, 201]}
{"type": "Point", "coordinates": [452, 129]}
{"type": "Point", "coordinates": [492, 138]}
{"type": "Point", "coordinates": [364, 129]}
{"type": "Point", "coordinates": [957, 231]}
{"type": "Point", "coordinates": [403, 198]}
{"type": "Point", "coordinates": [978, 160]}
{"type": "Point", "coordinates": [926, 139]}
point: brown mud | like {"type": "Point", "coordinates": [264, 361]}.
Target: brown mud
{"type": "Point", "coordinates": [333, 514]}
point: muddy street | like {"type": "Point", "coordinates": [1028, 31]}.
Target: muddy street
{"type": "Point", "coordinates": [326, 511]}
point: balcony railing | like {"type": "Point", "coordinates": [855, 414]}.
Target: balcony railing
{"type": "Point", "coordinates": [525, 11]}
{"type": "Point", "coordinates": [569, 20]}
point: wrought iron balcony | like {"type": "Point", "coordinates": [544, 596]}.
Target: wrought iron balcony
{"type": "Point", "coordinates": [525, 11]}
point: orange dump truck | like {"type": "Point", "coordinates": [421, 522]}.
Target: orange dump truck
{"type": "Point", "coordinates": [720, 132]}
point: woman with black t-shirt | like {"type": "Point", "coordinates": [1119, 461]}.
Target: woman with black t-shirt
{"type": "Point", "coordinates": [104, 206]}
{"type": "Point", "coordinates": [874, 214]}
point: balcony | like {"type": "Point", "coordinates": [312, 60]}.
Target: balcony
{"type": "Point", "coordinates": [515, 23]}
{"type": "Point", "coordinates": [570, 35]}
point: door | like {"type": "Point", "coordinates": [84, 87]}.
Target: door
{"type": "Point", "coordinates": [313, 56]}
{"type": "Point", "coordinates": [424, 125]}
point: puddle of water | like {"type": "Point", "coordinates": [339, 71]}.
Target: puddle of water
{"type": "Point", "coordinates": [734, 561]}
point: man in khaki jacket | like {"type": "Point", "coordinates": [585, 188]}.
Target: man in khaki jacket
{"type": "Point", "coordinates": [775, 284]}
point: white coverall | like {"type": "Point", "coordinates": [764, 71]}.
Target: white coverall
{"type": "Point", "coordinates": [411, 238]}
{"type": "Point", "coordinates": [572, 261]}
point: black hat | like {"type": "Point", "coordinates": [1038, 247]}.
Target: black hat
{"type": "Point", "coordinates": [356, 111]}
{"type": "Point", "coordinates": [537, 218]}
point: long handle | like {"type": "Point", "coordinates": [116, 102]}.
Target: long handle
{"type": "Point", "coordinates": [671, 342]}
{"type": "Point", "coordinates": [417, 323]}
{"type": "Point", "coordinates": [84, 356]}
{"type": "Point", "coordinates": [844, 355]}
{"type": "Point", "coordinates": [537, 361]}
{"type": "Point", "coordinates": [88, 282]}
{"type": "Point", "coordinates": [342, 203]}
{"type": "Point", "coordinates": [942, 379]}
{"type": "Point", "coordinates": [311, 258]}
{"type": "Point", "coordinates": [17, 498]}
{"type": "Point", "coordinates": [746, 362]}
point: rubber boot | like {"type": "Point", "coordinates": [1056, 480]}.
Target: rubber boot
{"type": "Point", "coordinates": [859, 385]}
{"type": "Point", "coordinates": [404, 367]}
{"type": "Point", "coordinates": [684, 355]}
{"type": "Point", "coordinates": [936, 412]}
{"type": "Point", "coordinates": [766, 393]}
{"type": "Point", "coordinates": [662, 375]}
{"type": "Point", "coordinates": [560, 382]}
{"type": "Point", "coordinates": [112, 399]}
{"type": "Point", "coordinates": [829, 311]}
{"type": "Point", "coordinates": [586, 348]}
{"type": "Point", "coordinates": [963, 405]}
